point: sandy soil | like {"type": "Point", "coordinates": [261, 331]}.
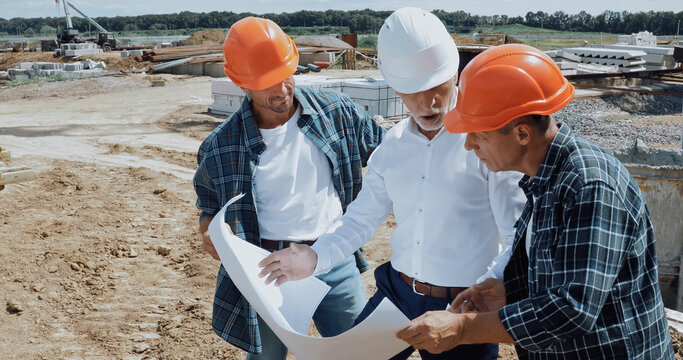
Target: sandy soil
{"type": "Point", "coordinates": [100, 254]}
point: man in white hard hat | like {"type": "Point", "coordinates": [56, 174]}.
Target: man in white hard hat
{"type": "Point", "coordinates": [451, 212]}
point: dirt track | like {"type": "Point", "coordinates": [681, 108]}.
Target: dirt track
{"type": "Point", "coordinates": [100, 253]}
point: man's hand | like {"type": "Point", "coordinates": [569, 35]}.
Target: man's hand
{"type": "Point", "coordinates": [434, 331]}
{"type": "Point", "coordinates": [207, 245]}
{"type": "Point", "coordinates": [293, 263]}
{"type": "Point", "coordinates": [489, 295]}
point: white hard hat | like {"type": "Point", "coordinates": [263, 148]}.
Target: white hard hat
{"type": "Point", "coordinates": [415, 51]}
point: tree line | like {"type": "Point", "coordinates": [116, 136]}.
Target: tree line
{"type": "Point", "coordinates": [359, 21]}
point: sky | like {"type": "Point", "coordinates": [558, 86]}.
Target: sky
{"type": "Point", "coordinates": [44, 8]}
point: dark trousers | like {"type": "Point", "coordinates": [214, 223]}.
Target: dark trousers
{"type": "Point", "coordinates": [391, 286]}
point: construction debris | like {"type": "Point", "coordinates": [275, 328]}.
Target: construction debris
{"type": "Point", "coordinates": [13, 175]}
{"type": "Point", "coordinates": [643, 38]}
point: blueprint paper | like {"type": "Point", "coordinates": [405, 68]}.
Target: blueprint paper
{"type": "Point", "coordinates": [288, 309]}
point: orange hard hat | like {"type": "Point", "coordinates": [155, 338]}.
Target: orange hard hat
{"type": "Point", "coordinates": [258, 54]}
{"type": "Point", "coordinates": [504, 83]}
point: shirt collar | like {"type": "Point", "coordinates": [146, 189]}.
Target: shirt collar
{"type": "Point", "coordinates": [553, 156]}
{"type": "Point", "coordinates": [252, 134]}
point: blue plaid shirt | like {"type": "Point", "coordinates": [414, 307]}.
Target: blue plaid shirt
{"type": "Point", "coordinates": [589, 288]}
{"type": "Point", "coordinates": [343, 132]}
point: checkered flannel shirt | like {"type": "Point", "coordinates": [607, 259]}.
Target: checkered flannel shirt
{"type": "Point", "coordinates": [589, 288]}
{"type": "Point", "coordinates": [343, 132]}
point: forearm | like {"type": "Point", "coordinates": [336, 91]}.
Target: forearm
{"type": "Point", "coordinates": [204, 224]}
{"type": "Point", "coordinates": [479, 328]}
{"type": "Point", "coordinates": [362, 218]}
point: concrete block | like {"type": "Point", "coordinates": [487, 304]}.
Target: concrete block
{"type": "Point", "coordinates": [49, 72]}
{"type": "Point", "coordinates": [74, 53]}
{"type": "Point", "coordinates": [81, 46]}
{"type": "Point", "coordinates": [47, 66]}
{"type": "Point", "coordinates": [14, 72]}
{"type": "Point", "coordinates": [135, 52]}
{"type": "Point", "coordinates": [25, 65]}
{"type": "Point", "coordinates": [89, 64]}
{"type": "Point", "coordinates": [305, 59]}
{"type": "Point", "coordinates": [125, 53]}
{"type": "Point", "coordinates": [214, 70]}
{"type": "Point", "coordinates": [189, 69]}
{"type": "Point", "coordinates": [19, 77]}
{"type": "Point", "coordinates": [73, 67]}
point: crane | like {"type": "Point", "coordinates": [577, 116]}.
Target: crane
{"type": "Point", "coordinates": [69, 34]}
{"type": "Point", "coordinates": [105, 39]}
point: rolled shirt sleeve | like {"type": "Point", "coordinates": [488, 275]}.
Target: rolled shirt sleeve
{"type": "Point", "coordinates": [573, 271]}
{"type": "Point", "coordinates": [207, 198]}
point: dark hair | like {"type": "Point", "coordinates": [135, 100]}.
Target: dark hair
{"type": "Point", "coordinates": [539, 123]}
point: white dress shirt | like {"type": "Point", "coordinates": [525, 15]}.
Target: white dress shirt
{"type": "Point", "coordinates": [295, 196]}
{"type": "Point", "coordinates": [452, 213]}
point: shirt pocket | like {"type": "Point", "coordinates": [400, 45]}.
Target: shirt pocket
{"type": "Point", "coordinates": [543, 259]}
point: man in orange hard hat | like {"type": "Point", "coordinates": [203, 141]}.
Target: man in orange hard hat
{"type": "Point", "coordinates": [581, 282]}
{"type": "Point", "coordinates": [297, 155]}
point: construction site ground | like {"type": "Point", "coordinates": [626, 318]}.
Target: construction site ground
{"type": "Point", "coordinates": [100, 254]}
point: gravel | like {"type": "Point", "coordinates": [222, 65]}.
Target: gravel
{"type": "Point", "coordinates": [614, 122]}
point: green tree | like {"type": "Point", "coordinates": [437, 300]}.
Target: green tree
{"type": "Point", "coordinates": [130, 27]}
{"type": "Point", "coordinates": [47, 30]}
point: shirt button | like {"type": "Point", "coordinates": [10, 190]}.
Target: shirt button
{"type": "Point", "coordinates": [429, 145]}
{"type": "Point", "coordinates": [419, 211]}
{"type": "Point", "coordinates": [423, 177]}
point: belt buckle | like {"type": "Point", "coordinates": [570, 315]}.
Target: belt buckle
{"type": "Point", "coordinates": [415, 290]}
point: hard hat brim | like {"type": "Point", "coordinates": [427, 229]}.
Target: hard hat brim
{"type": "Point", "coordinates": [457, 122]}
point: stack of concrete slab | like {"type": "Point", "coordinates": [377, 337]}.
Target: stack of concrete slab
{"type": "Point", "coordinates": [566, 61]}
{"type": "Point", "coordinates": [373, 95]}
{"type": "Point", "coordinates": [76, 70]}
{"type": "Point", "coordinates": [73, 50]}
{"type": "Point", "coordinates": [595, 69]}
{"type": "Point", "coordinates": [129, 53]}
{"type": "Point", "coordinates": [656, 58]}
{"type": "Point", "coordinates": [625, 60]}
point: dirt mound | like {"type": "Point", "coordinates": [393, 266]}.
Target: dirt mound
{"type": "Point", "coordinates": [511, 40]}
{"type": "Point", "coordinates": [205, 37]}
{"type": "Point", "coordinates": [461, 40]}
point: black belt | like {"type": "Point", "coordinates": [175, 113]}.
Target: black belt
{"type": "Point", "coordinates": [431, 290]}
{"type": "Point", "coordinates": [276, 245]}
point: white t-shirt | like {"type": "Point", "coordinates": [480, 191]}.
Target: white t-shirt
{"type": "Point", "coordinates": [295, 195]}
